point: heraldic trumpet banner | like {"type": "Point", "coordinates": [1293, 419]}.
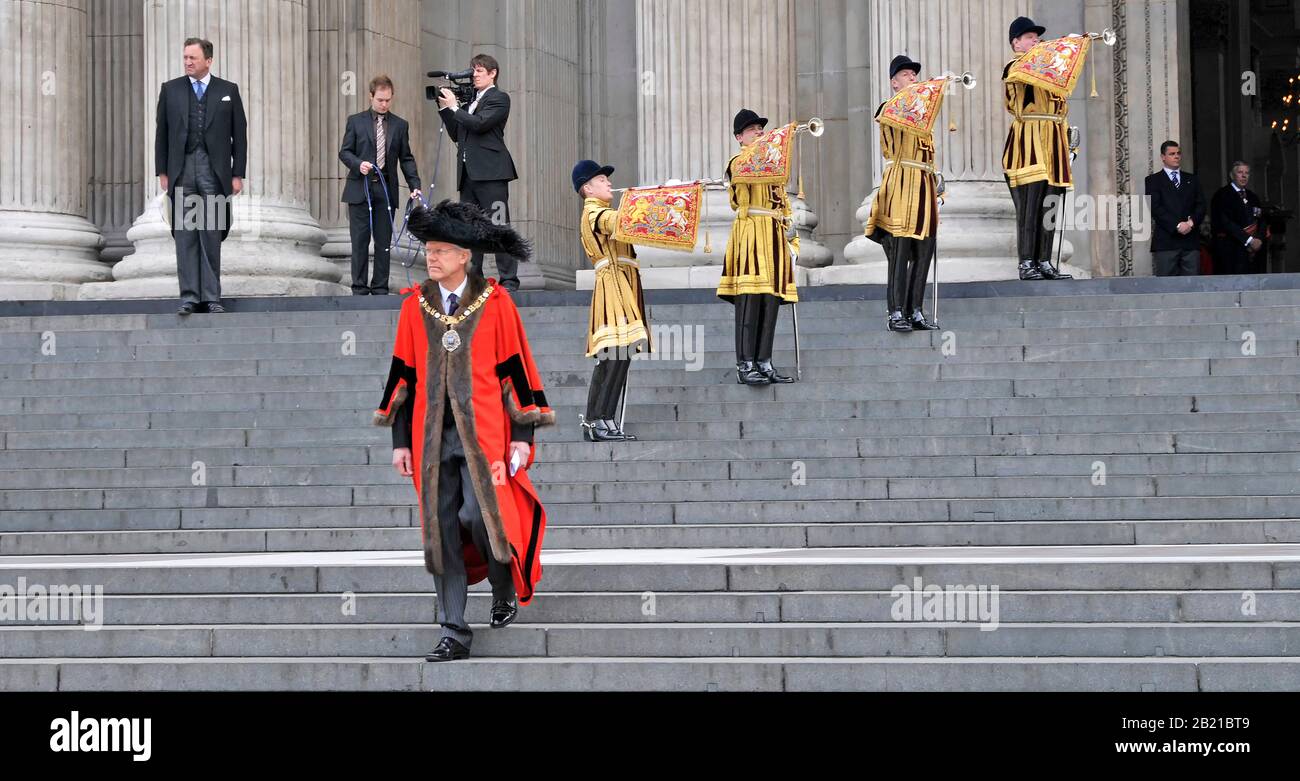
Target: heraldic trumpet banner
{"type": "Point", "coordinates": [667, 216]}
{"type": "Point", "coordinates": [767, 160]}
{"type": "Point", "coordinates": [1054, 65]}
{"type": "Point", "coordinates": [915, 107]}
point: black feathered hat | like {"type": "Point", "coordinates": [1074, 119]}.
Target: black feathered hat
{"type": "Point", "coordinates": [465, 225]}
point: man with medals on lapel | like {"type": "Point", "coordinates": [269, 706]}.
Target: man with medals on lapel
{"type": "Point", "coordinates": [463, 396]}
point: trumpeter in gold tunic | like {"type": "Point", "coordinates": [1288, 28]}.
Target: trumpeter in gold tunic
{"type": "Point", "coordinates": [904, 215]}
{"type": "Point", "coordinates": [758, 271]}
{"type": "Point", "coordinates": [1036, 158]}
{"type": "Point", "coordinates": [617, 318]}
{"type": "Point", "coordinates": [616, 325]}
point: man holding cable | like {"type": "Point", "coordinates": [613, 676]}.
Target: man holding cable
{"type": "Point", "coordinates": [374, 142]}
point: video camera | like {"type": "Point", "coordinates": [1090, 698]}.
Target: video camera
{"type": "Point", "coordinates": [462, 85]}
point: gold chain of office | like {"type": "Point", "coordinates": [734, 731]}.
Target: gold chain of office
{"type": "Point", "coordinates": [451, 339]}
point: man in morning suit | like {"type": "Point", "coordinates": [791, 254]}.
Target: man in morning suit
{"type": "Point", "coordinates": [200, 158]}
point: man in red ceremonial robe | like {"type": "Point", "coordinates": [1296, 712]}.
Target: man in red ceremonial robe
{"type": "Point", "coordinates": [463, 397]}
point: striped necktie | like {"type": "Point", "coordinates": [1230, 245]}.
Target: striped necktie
{"type": "Point", "coordinates": [381, 141]}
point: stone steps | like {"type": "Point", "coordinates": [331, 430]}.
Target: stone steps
{"type": "Point", "coordinates": [961, 456]}
{"type": "Point", "coordinates": [772, 674]}
{"type": "Point", "coordinates": [33, 475]}
{"type": "Point", "coordinates": [1023, 607]}
{"type": "Point", "coordinates": [561, 535]}
{"type": "Point", "coordinates": [677, 641]}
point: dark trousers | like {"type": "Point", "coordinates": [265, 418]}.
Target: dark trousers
{"type": "Point", "coordinates": [756, 316]}
{"type": "Point", "coordinates": [493, 197]}
{"type": "Point", "coordinates": [198, 214]}
{"type": "Point", "coordinates": [459, 514]}
{"type": "Point", "coordinates": [1232, 257]}
{"type": "Point", "coordinates": [909, 265]}
{"type": "Point", "coordinates": [1033, 239]}
{"type": "Point", "coordinates": [607, 382]}
{"type": "Point", "coordinates": [1177, 262]}
{"type": "Point", "coordinates": [359, 217]}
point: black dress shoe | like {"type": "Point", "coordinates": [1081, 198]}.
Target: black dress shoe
{"type": "Point", "coordinates": [447, 649]}
{"type": "Point", "coordinates": [748, 374]}
{"type": "Point", "coordinates": [899, 323]}
{"type": "Point", "coordinates": [216, 309]}
{"type": "Point", "coordinates": [1045, 268]}
{"type": "Point", "coordinates": [769, 371]}
{"type": "Point", "coordinates": [503, 613]}
{"type": "Point", "coordinates": [919, 323]}
{"type": "Point", "coordinates": [618, 431]}
{"type": "Point", "coordinates": [1029, 270]}
{"type": "Point", "coordinates": [187, 308]}
{"type": "Point", "coordinates": [597, 431]}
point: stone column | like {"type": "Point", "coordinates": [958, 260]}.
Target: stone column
{"type": "Point", "coordinates": [350, 42]}
{"type": "Point", "coordinates": [117, 156]}
{"type": "Point", "coordinates": [832, 77]}
{"type": "Point", "coordinates": [47, 245]}
{"type": "Point", "coordinates": [977, 234]}
{"type": "Point", "coordinates": [1153, 60]}
{"type": "Point", "coordinates": [699, 62]}
{"type": "Point", "coordinates": [274, 244]}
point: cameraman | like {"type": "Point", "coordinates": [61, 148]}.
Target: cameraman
{"type": "Point", "coordinates": [486, 168]}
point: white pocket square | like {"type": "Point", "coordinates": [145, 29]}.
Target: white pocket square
{"type": "Point", "coordinates": [226, 98]}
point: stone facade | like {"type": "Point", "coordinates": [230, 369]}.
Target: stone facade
{"type": "Point", "coordinates": [648, 86]}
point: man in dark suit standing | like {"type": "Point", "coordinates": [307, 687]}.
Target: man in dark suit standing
{"type": "Point", "coordinates": [1238, 234]}
{"type": "Point", "coordinates": [364, 154]}
{"type": "Point", "coordinates": [200, 157]}
{"type": "Point", "coordinates": [1178, 208]}
{"type": "Point", "coordinates": [485, 167]}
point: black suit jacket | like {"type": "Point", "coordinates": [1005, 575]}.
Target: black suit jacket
{"type": "Point", "coordinates": [482, 138]}
{"type": "Point", "coordinates": [1171, 206]}
{"type": "Point", "coordinates": [226, 134]}
{"type": "Point", "coordinates": [1230, 216]}
{"type": "Point", "coordinates": [359, 146]}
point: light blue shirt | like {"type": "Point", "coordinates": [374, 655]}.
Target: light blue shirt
{"type": "Point", "coordinates": [205, 81]}
{"type": "Point", "coordinates": [460, 294]}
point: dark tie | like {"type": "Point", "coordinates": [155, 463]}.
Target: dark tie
{"type": "Point", "coordinates": [1175, 176]}
{"type": "Point", "coordinates": [451, 304]}
{"type": "Point", "coordinates": [381, 142]}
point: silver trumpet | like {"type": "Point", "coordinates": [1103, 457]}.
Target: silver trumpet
{"type": "Point", "coordinates": [709, 184]}
{"type": "Point", "coordinates": [813, 127]}
{"type": "Point", "coordinates": [1107, 36]}
{"type": "Point", "coordinates": [966, 79]}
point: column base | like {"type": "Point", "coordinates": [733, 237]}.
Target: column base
{"type": "Point", "coordinates": [46, 256]}
{"type": "Point", "coordinates": [272, 250]}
